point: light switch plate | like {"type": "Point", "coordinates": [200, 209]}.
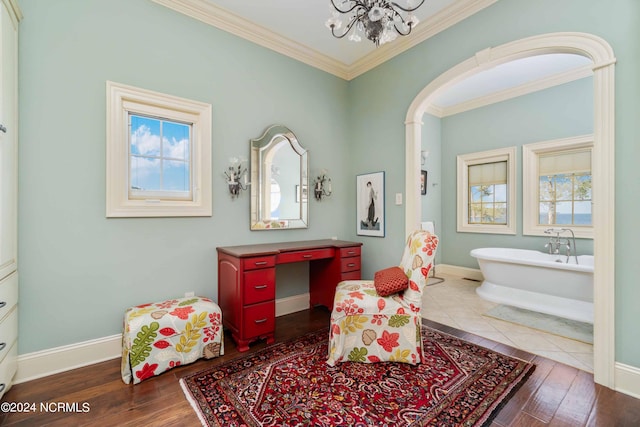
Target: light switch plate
{"type": "Point", "coordinates": [398, 198]}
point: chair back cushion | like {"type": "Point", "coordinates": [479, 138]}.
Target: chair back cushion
{"type": "Point", "coordinates": [390, 281]}
{"type": "Point", "coordinates": [417, 262]}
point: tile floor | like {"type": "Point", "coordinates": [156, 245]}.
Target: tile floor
{"type": "Point", "coordinates": [455, 303]}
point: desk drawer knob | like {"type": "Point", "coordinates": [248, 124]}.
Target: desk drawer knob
{"type": "Point", "coordinates": [307, 256]}
{"type": "Point", "coordinates": [260, 287]}
{"type": "Point", "coordinates": [260, 263]}
{"type": "Point", "coordinates": [260, 320]}
{"type": "Point", "coordinates": [351, 265]}
{"type": "Point", "coordinates": [2, 346]}
{"type": "Point", "coordinates": [2, 387]}
{"type": "Point", "coordinates": [2, 304]}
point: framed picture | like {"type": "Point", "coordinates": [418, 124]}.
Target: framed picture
{"type": "Point", "coordinates": [370, 204]}
{"type": "Point", "coordinates": [423, 182]}
{"type": "Point", "coordinates": [305, 191]}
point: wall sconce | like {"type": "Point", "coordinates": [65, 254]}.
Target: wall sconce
{"type": "Point", "coordinates": [322, 185]}
{"type": "Point", "coordinates": [236, 176]}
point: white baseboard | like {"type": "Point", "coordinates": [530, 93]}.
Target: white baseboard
{"type": "Point", "coordinates": [627, 379]}
{"type": "Point", "coordinates": [292, 304]}
{"type": "Point", "coordinates": [454, 270]}
{"type": "Point", "coordinates": [43, 363]}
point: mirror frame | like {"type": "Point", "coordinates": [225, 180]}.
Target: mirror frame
{"type": "Point", "coordinates": [257, 145]}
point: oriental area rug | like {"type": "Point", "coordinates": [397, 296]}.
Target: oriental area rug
{"type": "Point", "coordinates": [289, 384]}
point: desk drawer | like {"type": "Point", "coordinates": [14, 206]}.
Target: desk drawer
{"type": "Point", "coordinates": [350, 264]}
{"type": "Point", "coordinates": [258, 262]}
{"type": "Point", "coordinates": [309, 255]}
{"type": "Point", "coordinates": [349, 252]}
{"type": "Point", "coordinates": [259, 319]}
{"type": "Point", "coordinates": [8, 368]}
{"type": "Point", "coordinates": [259, 285]}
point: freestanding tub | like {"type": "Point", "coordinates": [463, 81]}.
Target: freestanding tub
{"type": "Point", "coordinates": [537, 281]}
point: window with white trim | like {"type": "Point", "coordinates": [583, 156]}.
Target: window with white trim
{"type": "Point", "coordinates": [486, 192]}
{"type": "Point", "coordinates": [158, 154]}
{"type": "Point", "coordinates": [557, 186]}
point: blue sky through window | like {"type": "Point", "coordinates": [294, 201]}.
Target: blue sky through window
{"type": "Point", "coordinates": [159, 154]}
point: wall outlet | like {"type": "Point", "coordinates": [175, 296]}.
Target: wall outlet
{"type": "Point", "coordinates": [398, 198]}
{"type": "Point", "coordinates": [189, 294]}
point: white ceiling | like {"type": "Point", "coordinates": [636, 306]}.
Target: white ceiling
{"type": "Point", "coordinates": [304, 22]}
{"type": "Point", "coordinates": [296, 28]}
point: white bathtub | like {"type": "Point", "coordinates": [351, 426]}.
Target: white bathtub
{"type": "Point", "coordinates": [536, 281]}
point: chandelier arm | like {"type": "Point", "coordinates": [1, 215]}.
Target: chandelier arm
{"type": "Point", "coordinates": [357, 3]}
{"type": "Point", "coordinates": [402, 8]}
{"type": "Point", "coordinates": [400, 32]}
{"type": "Point", "coordinates": [347, 28]}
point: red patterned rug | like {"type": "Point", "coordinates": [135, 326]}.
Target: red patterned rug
{"type": "Point", "coordinates": [289, 384]}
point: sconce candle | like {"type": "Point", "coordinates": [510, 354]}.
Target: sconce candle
{"type": "Point", "coordinates": [236, 176]}
{"type": "Point", "coordinates": [322, 186]}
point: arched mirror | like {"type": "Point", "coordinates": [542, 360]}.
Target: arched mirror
{"type": "Point", "coordinates": [279, 183]}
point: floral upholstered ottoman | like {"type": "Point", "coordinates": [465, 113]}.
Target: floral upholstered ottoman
{"type": "Point", "coordinates": [160, 336]}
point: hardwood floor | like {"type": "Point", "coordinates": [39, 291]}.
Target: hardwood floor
{"type": "Point", "coordinates": [554, 395]}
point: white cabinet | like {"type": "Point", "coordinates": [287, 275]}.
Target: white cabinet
{"type": "Point", "coordinates": [10, 15]}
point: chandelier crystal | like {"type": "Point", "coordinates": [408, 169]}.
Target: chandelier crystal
{"type": "Point", "coordinates": [378, 20]}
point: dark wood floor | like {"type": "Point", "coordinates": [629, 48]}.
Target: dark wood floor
{"type": "Point", "coordinates": [554, 395]}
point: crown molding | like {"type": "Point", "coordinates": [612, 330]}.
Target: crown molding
{"type": "Point", "coordinates": [444, 19]}
{"type": "Point", "coordinates": [514, 92]}
{"type": "Point", "coordinates": [225, 20]}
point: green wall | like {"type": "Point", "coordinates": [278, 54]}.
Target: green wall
{"type": "Point", "coordinates": [78, 270]}
{"type": "Point", "coordinates": [382, 97]}
{"type": "Point", "coordinates": [559, 112]}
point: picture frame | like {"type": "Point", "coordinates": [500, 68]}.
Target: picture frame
{"type": "Point", "coordinates": [305, 193]}
{"type": "Point", "coordinates": [370, 202]}
{"type": "Point", "coordinates": [423, 182]}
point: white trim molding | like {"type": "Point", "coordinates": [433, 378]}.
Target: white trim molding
{"type": "Point", "coordinates": [531, 183]}
{"type": "Point", "coordinates": [39, 364]}
{"type": "Point", "coordinates": [123, 100]}
{"type": "Point", "coordinates": [603, 165]}
{"type": "Point", "coordinates": [628, 380]}
{"type": "Point", "coordinates": [225, 20]}
{"type": "Point", "coordinates": [464, 161]}
{"type": "Point", "coordinates": [513, 92]}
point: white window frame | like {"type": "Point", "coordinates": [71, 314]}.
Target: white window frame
{"type": "Point", "coordinates": [530, 183]}
{"type": "Point", "coordinates": [507, 154]}
{"type": "Point", "coordinates": [122, 100]}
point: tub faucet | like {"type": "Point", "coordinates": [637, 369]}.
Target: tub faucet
{"type": "Point", "coordinates": [555, 243]}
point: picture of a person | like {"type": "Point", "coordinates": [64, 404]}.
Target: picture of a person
{"type": "Point", "coordinates": [371, 210]}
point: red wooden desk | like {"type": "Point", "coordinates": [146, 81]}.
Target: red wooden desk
{"type": "Point", "coordinates": [247, 281]}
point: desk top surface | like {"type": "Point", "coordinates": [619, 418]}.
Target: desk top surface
{"type": "Point", "coordinates": [276, 248]}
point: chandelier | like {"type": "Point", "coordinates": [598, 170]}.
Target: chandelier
{"type": "Point", "coordinates": [379, 20]}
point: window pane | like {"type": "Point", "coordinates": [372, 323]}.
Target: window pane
{"type": "Point", "coordinates": [583, 187]}
{"type": "Point", "coordinates": [500, 192]}
{"type": "Point", "coordinates": [475, 213]}
{"type": "Point", "coordinates": [500, 213]}
{"type": "Point", "coordinates": [564, 187]}
{"type": "Point", "coordinates": [488, 215]}
{"type": "Point", "coordinates": [563, 213]}
{"type": "Point", "coordinates": [145, 136]}
{"type": "Point", "coordinates": [546, 188]}
{"type": "Point", "coordinates": [547, 213]}
{"type": "Point", "coordinates": [175, 175]}
{"type": "Point", "coordinates": [175, 140]}
{"type": "Point", "coordinates": [582, 214]}
{"type": "Point", "coordinates": [145, 173]}
{"type": "Point", "coordinates": [487, 193]}
{"type": "Point", "coordinates": [476, 194]}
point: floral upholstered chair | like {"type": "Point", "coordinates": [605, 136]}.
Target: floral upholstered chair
{"type": "Point", "coordinates": [367, 327]}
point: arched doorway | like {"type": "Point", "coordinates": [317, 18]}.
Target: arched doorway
{"type": "Point", "coordinates": [603, 64]}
